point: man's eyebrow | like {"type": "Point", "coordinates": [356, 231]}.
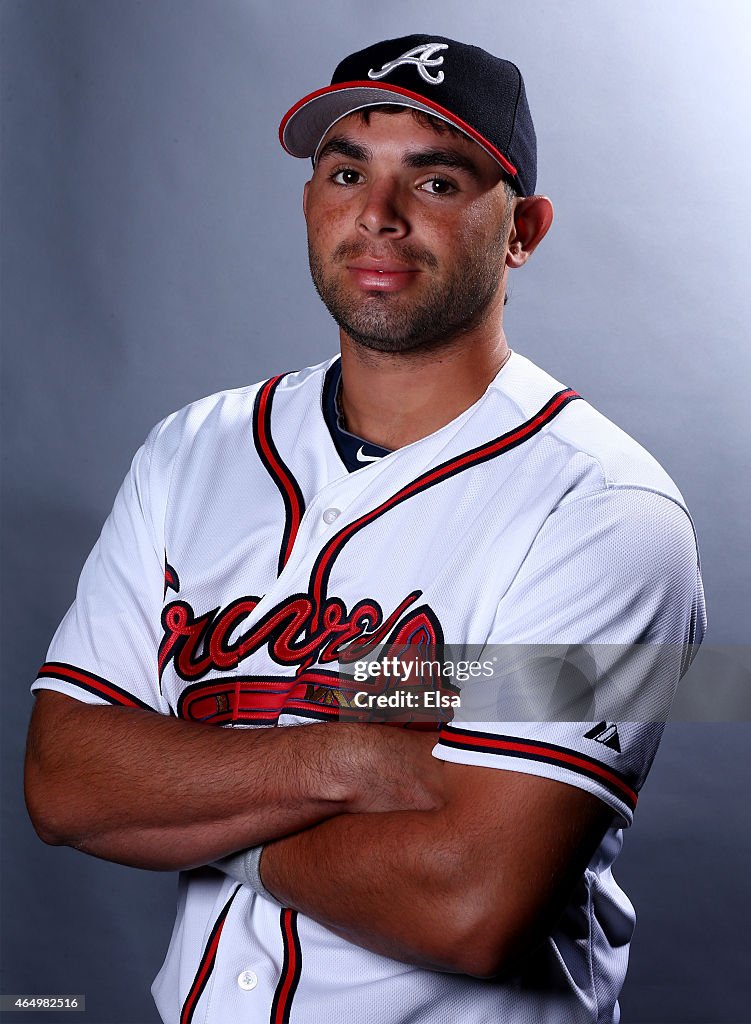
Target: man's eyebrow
{"type": "Point", "coordinates": [343, 146]}
{"type": "Point", "coordinates": [434, 157]}
{"type": "Point", "coordinates": [441, 158]}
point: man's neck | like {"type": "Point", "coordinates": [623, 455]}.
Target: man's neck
{"type": "Point", "coordinates": [395, 399]}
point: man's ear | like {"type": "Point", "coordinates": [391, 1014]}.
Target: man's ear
{"type": "Point", "coordinates": [533, 215]}
{"type": "Point", "coordinates": [305, 199]}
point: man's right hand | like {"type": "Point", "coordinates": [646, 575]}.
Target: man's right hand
{"type": "Point", "coordinates": [393, 770]}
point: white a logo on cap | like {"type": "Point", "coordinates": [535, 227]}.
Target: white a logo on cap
{"type": "Point", "coordinates": [422, 58]}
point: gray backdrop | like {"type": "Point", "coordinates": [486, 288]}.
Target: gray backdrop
{"type": "Point", "coordinates": [153, 252]}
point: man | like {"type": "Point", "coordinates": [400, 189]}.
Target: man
{"type": "Point", "coordinates": [428, 488]}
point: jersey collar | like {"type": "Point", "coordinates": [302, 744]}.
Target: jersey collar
{"type": "Point", "coordinates": [355, 452]}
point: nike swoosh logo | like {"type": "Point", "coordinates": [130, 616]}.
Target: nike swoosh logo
{"type": "Point", "coordinates": [361, 457]}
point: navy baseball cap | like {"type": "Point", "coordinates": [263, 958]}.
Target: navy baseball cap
{"type": "Point", "coordinates": [481, 95]}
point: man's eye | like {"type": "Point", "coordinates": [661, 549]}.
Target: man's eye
{"type": "Point", "coordinates": [438, 187]}
{"type": "Point", "coordinates": [346, 176]}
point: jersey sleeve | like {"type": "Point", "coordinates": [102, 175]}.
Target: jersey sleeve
{"type": "Point", "coordinates": [105, 649]}
{"type": "Point", "coordinates": [587, 648]}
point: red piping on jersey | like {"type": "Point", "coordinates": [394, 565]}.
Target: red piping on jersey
{"type": "Point", "coordinates": [171, 579]}
{"type": "Point", "coordinates": [294, 502]}
{"type": "Point", "coordinates": [206, 965]}
{"type": "Point", "coordinates": [92, 683]}
{"type": "Point", "coordinates": [443, 113]}
{"type": "Point", "coordinates": [483, 453]}
{"type": "Point", "coordinates": [291, 969]}
{"type": "Point", "coordinates": [487, 743]}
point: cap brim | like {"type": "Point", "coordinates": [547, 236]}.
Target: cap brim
{"type": "Point", "coordinates": [303, 126]}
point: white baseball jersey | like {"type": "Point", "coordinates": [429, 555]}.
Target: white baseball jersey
{"type": "Point", "coordinates": [253, 542]}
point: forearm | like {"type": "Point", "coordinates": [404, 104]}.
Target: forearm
{"type": "Point", "coordinates": [383, 882]}
{"type": "Point", "coordinates": [470, 886]}
{"type": "Point", "coordinates": [161, 793]}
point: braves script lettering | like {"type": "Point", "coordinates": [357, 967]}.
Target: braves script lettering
{"type": "Point", "coordinates": [294, 631]}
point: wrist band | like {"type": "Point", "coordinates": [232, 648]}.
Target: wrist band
{"type": "Point", "coordinates": [245, 867]}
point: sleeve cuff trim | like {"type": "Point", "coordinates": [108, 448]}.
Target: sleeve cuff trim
{"type": "Point", "coordinates": [103, 688]}
{"type": "Point", "coordinates": [547, 753]}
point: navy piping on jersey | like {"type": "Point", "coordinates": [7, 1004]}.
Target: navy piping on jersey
{"type": "Point", "coordinates": [347, 445]}
{"type": "Point", "coordinates": [294, 503]}
{"type": "Point", "coordinates": [92, 683]}
{"type": "Point", "coordinates": [291, 968]}
{"type": "Point", "coordinates": [546, 753]}
{"type": "Point", "coordinates": [207, 962]}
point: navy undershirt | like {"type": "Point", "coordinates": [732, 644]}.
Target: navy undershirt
{"type": "Point", "coordinates": [354, 451]}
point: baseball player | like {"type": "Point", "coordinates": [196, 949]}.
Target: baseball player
{"type": "Point", "coordinates": [425, 490]}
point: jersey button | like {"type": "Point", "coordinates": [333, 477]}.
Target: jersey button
{"type": "Point", "coordinates": [331, 515]}
{"type": "Point", "coordinates": [247, 980]}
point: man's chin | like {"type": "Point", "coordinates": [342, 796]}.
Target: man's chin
{"type": "Point", "coordinates": [393, 343]}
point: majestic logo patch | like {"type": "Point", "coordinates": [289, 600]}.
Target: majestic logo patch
{"type": "Point", "coordinates": [605, 734]}
{"type": "Point", "coordinates": [422, 58]}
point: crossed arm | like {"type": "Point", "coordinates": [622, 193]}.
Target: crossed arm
{"type": "Point", "coordinates": [447, 866]}
{"type": "Point", "coordinates": [469, 886]}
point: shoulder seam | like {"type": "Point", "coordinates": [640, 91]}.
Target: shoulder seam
{"type": "Point", "coordinates": [608, 487]}
{"type": "Point", "coordinates": [565, 502]}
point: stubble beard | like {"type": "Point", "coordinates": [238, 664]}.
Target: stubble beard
{"type": "Point", "coordinates": [389, 322]}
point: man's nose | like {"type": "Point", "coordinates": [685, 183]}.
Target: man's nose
{"type": "Point", "coordinates": [383, 211]}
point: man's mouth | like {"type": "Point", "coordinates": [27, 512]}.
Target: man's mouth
{"type": "Point", "coordinates": [381, 275]}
